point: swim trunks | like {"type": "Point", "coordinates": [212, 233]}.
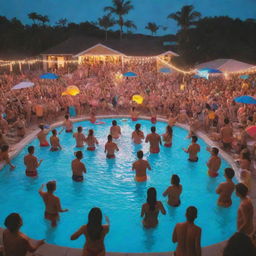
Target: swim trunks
{"type": "Point", "coordinates": [153, 120]}
{"type": "Point", "coordinates": [54, 149]}
{"type": "Point", "coordinates": [193, 160]}
{"type": "Point", "coordinates": [140, 178]}
{"type": "Point", "coordinates": [45, 144]}
{"type": "Point", "coordinates": [155, 151]}
{"type": "Point", "coordinates": [31, 173]}
{"type": "Point", "coordinates": [213, 174]}
{"type": "Point", "coordinates": [69, 130]}
{"type": "Point", "coordinates": [51, 216]}
{"type": "Point", "coordinates": [134, 119]}
{"type": "Point", "coordinates": [77, 178]}
{"type": "Point", "coordinates": [111, 156]}
{"type": "Point", "coordinates": [91, 148]}
{"type": "Point", "coordinates": [168, 145]}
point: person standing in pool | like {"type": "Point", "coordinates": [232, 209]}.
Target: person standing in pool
{"type": "Point", "coordinates": [91, 141]}
{"type": "Point", "coordinates": [79, 136]}
{"type": "Point", "coordinates": [42, 137]}
{"type": "Point", "coordinates": [78, 168]}
{"type": "Point", "coordinates": [94, 233]}
{"type": "Point", "coordinates": [245, 210]}
{"type": "Point", "coordinates": [52, 203]}
{"type": "Point", "coordinates": [193, 150]}
{"type": "Point", "coordinates": [31, 162]}
{"type": "Point", "coordinates": [151, 209]}
{"type": "Point", "coordinates": [137, 134]}
{"type": "Point", "coordinates": [67, 125]}
{"type": "Point", "coordinates": [110, 148]}
{"type": "Point", "coordinates": [154, 140]}
{"type": "Point", "coordinates": [167, 137]}
{"type": "Point", "coordinates": [214, 162]}
{"type": "Point", "coordinates": [55, 142]}
{"type": "Point", "coordinates": [173, 192]}
{"type": "Point", "coordinates": [225, 189]}
{"type": "Point", "coordinates": [115, 130]}
{"type": "Point", "coordinates": [188, 235]}
{"type": "Point", "coordinates": [140, 167]}
{"type": "Point", "coordinates": [16, 243]}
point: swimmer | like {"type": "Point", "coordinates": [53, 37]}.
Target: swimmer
{"type": "Point", "coordinates": [110, 148]}
{"type": "Point", "coordinates": [140, 167]}
{"type": "Point", "coordinates": [115, 130]}
{"type": "Point", "coordinates": [225, 189]}
{"type": "Point", "coordinates": [42, 137]}
{"type": "Point", "coordinates": [79, 136]}
{"type": "Point", "coordinates": [92, 117]}
{"type": "Point", "coordinates": [134, 114]}
{"type": "Point", "coordinates": [52, 203]}
{"type": "Point", "coordinates": [214, 162]}
{"type": "Point", "coordinates": [55, 142]}
{"type": "Point", "coordinates": [151, 209]}
{"type": "Point", "coordinates": [154, 140]}
{"type": "Point", "coordinates": [188, 235]}
{"type": "Point", "coordinates": [67, 125]}
{"type": "Point", "coordinates": [173, 192]}
{"type": "Point", "coordinates": [193, 150]}
{"type": "Point", "coordinates": [167, 136]}
{"type": "Point", "coordinates": [91, 141]}
{"type": "Point", "coordinates": [4, 156]}
{"type": "Point", "coordinates": [137, 134]}
{"type": "Point", "coordinates": [78, 168]}
{"type": "Point", "coordinates": [31, 162]}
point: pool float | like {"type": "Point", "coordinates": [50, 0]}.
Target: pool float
{"type": "Point", "coordinates": [137, 98]}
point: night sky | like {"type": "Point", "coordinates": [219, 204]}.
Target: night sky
{"type": "Point", "coordinates": [144, 10]}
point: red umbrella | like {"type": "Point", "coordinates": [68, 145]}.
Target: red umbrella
{"type": "Point", "coordinates": [251, 131]}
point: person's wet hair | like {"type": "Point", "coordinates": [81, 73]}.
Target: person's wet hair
{"type": "Point", "coordinates": [175, 180]}
{"type": "Point", "coordinates": [140, 154]}
{"type": "Point", "coordinates": [109, 137]}
{"type": "Point", "coordinates": [226, 121]}
{"type": "Point", "coordinates": [31, 149]}
{"type": "Point", "coordinates": [151, 198]}
{"type": "Point", "coordinates": [153, 129]}
{"type": "Point", "coordinates": [137, 127]}
{"type": "Point", "coordinates": [169, 130]}
{"type": "Point", "coordinates": [79, 154]}
{"type": "Point", "coordinates": [241, 189]}
{"type": "Point", "coordinates": [215, 151]}
{"type": "Point", "coordinates": [13, 222]}
{"type": "Point", "coordinates": [51, 186]}
{"type": "Point", "coordinates": [194, 138]}
{"type": "Point", "coordinates": [90, 132]}
{"type": "Point", "coordinates": [80, 129]}
{"type": "Point", "coordinates": [54, 132]}
{"type": "Point", "coordinates": [114, 122]}
{"type": "Point", "coordinates": [229, 172]}
{"type": "Point", "coordinates": [94, 224]}
{"type": "Point", "coordinates": [191, 213]}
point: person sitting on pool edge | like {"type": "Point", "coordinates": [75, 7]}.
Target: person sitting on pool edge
{"type": "Point", "coordinates": [193, 149]}
{"type": "Point", "coordinates": [91, 141]}
{"type": "Point", "coordinates": [225, 189]}
{"type": "Point", "coordinates": [154, 140]}
{"type": "Point", "coordinates": [42, 137]}
{"type": "Point", "coordinates": [151, 208]}
{"type": "Point", "coordinates": [140, 166]}
{"type": "Point", "coordinates": [55, 142]}
{"type": "Point", "coordinates": [78, 168]}
{"type": "Point", "coordinates": [79, 136]}
{"type": "Point", "coordinates": [110, 148]}
{"type": "Point", "coordinates": [173, 192]}
{"type": "Point", "coordinates": [214, 162]}
{"type": "Point", "coordinates": [115, 130]}
{"type": "Point", "coordinates": [16, 243]}
{"type": "Point", "coordinates": [52, 203]}
{"type": "Point", "coordinates": [4, 157]}
{"type": "Point", "coordinates": [94, 233]}
{"type": "Point", "coordinates": [31, 162]}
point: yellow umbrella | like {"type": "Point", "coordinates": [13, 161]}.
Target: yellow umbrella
{"type": "Point", "coordinates": [138, 99]}
{"type": "Point", "coordinates": [71, 90]}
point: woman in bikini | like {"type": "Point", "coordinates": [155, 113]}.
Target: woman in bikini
{"type": "Point", "coordinates": [137, 135]}
{"type": "Point", "coordinates": [167, 137]}
{"type": "Point", "coordinates": [91, 141]}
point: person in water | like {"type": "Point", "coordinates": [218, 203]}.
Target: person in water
{"type": "Point", "coordinates": [151, 209]}
{"type": "Point", "coordinates": [16, 243]}
{"type": "Point", "coordinates": [78, 168]}
{"type": "Point", "coordinates": [137, 134]}
{"type": "Point", "coordinates": [174, 191]}
{"type": "Point", "coordinates": [154, 140]}
{"type": "Point", "coordinates": [79, 136]}
{"type": "Point", "coordinates": [225, 189]}
{"type": "Point", "coordinates": [91, 141]}
{"type": "Point", "coordinates": [188, 235]}
{"type": "Point", "coordinates": [193, 150]}
{"type": "Point", "coordinates": [42, 137]}
{"type": "Point", "coordinates": [214, 162]}
{"type": "Point", "coordinates": [110, 148]}
{"type": "Point", "coordinates": [55, 142]}
{"type": "Point", "coordinates": [52, 203]}
{"type": "Point", "coordinates": [31, 162]}
{"type": "Point", "coordinates": [94, 233]}
{"type": "Point", "coordinates": [115, 130]}
{"type": "Point", "coordinates": [167, 137]}
{"type": "Point", "coordinates": [140, 167]}
{"type": "Point", "coordinates": [67, 125]}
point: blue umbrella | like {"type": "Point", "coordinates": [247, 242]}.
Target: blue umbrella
{"type": "Point", "coordinates": [130, 74]}
{"type": "Point", "coordinates": [49, 76]}
{"type": "Point", "coordinates": [165, 70]}
{"type": "Point", "coordinates": [245, 99]}
{"type": "Point", "coordinates": [244, 77]}
{"type": "Point", "coordinates": [210, 70]}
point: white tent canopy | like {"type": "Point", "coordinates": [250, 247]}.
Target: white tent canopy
{"type": "Point", "coordinates": [226, 65]}
{"type": "Point", "coordinates": [23, 85]}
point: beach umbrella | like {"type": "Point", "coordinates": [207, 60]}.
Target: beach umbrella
{"type": "Point", "coordinates": [71, 90]}
{"type": "Point", "coordinates": [22, 85]}
{"type": "Point", "coordinates": [49, 76]}
{"type": "Point", "coordinates": [165, 70]}
{"type": "Point", "coordinates": [251, 131]}
{"type": "Point", "coordinates": [202, 74]}
{"type": "Point", "coordinates": [245, 99]}
{"type": "Point", "coordinates": [138, 99]}
{"type": "Point", "coordinates": [244, 77]}
{"type": "Point", "coordinates": [130, 74]}
{"type": "Point", "coordinates": [209, 70]}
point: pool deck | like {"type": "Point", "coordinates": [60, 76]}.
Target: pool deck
{"type": "Point", "coordinates": [54, 250]}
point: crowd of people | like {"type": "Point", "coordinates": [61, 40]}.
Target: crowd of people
{"type": "Point", "coordinates": [204, 105]}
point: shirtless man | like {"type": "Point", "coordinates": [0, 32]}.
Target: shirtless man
{"type": "Point", "coordinates": [188, 235]}
{"type": "Point", "coordinates": [226, 134]}
{"type": "Point", "coordinates": [31, 162]}
{"type": "Point", "coordinates": [134, 114]}
{"type": "Point", "coordinates": [154, 140]}
{"type": "Point", "coordinates": [225, 189]}
{"type": "Point", "coordinates": [80, 138]}
{"type": "Point", "coordinates": [67, 125]}
{"type": "Point", "coordinates": [78, 168]}
{"type": "Point", "coordinates": [110, 148]}
{"type": "Point", "coordinates": [4, 156]}
{"type": "Point", "coordinates": [140, 167]}
{"type": "Point", "coordinates": [192, 150]}
{"type": "Point", "coordinates": [245, 210]}
{"type": "Point", "coordinates": [55, 142]}
{"type": "Point", "coordinates": [42, 137]}
{"type": "Point", "coordinates": [91, 141]}
{"type": "Point", "coordinates": [214, 162]}
{"type": "Point", "coordinates": [115, 130]}
{"type": "Point", "coordinates": [52, 203]}
{"type": "Point", "coordinates": [137, 134]}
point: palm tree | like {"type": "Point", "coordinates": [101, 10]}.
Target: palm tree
{"type": "Point", "coordinates": [106, 22]}
{"type": "Point", "coordinates": [120, 8]}
{"type": "Point", "coordinates": [152, 27]}
{"type": "Point", "coordinates": [43, 19]}
{"type": "Point", "coordinates": [185, 17]}
{"type": "Point", "coordinates": [33, 16]}
{"type": "Point", "coordinates": [129, 24]}
{"type": "Point", "coordinates": [62, 22]}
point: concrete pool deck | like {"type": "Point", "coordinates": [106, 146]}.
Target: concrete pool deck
{"type": "Point", "coordinates": [54, 250]}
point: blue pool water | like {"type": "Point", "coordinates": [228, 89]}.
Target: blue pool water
{"type": "Point", "coordinates": [109, 184]}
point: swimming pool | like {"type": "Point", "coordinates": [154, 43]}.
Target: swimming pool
{"type": "Point", "coordinates": [109, 184]}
